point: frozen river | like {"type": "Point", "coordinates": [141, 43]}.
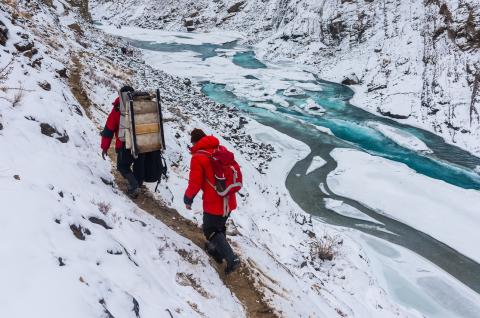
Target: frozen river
{"type": "Point", "coordinates": [409, 197]}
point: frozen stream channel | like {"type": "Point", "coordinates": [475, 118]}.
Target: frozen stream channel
{"type": "Point", "coordinates": [410, 198]}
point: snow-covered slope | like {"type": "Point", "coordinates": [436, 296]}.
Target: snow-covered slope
{"type": "Point", "coordinates": [413, 60]}
{"type": "Point", "coordinates": [73, 245]}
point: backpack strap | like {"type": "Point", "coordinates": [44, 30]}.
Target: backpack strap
{"type": "Point", "coordinates": [208, 155]}
{"type": "Point", "coordinates": [163, 173]}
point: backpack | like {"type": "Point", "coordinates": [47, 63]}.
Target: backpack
{"type": "Point", "coordinates": [153, 167]}
{"type": "Point", "coordinates": [227, 173]}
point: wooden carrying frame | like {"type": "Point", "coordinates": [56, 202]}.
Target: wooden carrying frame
{"type": "Point", "coordinates": [144, 119]}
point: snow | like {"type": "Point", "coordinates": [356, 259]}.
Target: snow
{"type": "Point", "coordinates": [313, 108]}
{"type": "Point", "coordinates": [446, 212]}
{"type": "Point", "coordinates": [344, 209]}
{"type": "Point", "coordinates": [294, 91]}
{"type": "Point", "coordinates": [60, 185]}
{"type": "Point", "coordinates": [139, 260]}
{"type": "Point", "coordinates": [400, 137]}
{"type": "Point", "coordinates": [317, 162]}
{"type": "Point", "coordinates": [213, 37]}
{"type": "Point", "coordinates": [265, 106]}
{"type": "Point", "coordinates": [414, 281]}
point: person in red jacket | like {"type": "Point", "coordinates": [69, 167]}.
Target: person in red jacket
{"type": "Point", "coordinates": [124, 156]}
{"type": "Point", "coordinates": [216, 209]}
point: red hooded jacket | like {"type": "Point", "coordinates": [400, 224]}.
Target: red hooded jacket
{"type": "Point", "coordinates": [111, 127]}
{"type": "Point", "coordinates": [200, 171]}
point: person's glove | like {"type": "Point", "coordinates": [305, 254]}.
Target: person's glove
{"type": "Point", "coordinates": [104, 153]}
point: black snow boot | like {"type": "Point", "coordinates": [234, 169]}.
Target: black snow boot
{"type": "Point", "coordinates": [231, 267]}
{"type": "Point", "coordinates": [212, 251]}
{"type": "Point", "coordinates": [133, 190]}
{"type": "Point", "coordinates": [225, 251]}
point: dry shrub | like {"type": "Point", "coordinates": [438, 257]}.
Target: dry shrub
{"type": "Point", "coordinates": [5, 70]}
{"type": "Point", "coordinates": [326, 247]}
{"type": "Point", "coordinates": [17, 97]}
{"type": "Point", "coordinates": [104, 207]}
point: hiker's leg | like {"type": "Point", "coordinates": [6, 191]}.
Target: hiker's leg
{"type": "Point", "coordinates": [220, 242]}
{"type": "Point", "coordinates": [214, 230]}
{"type": "Point", "coordinates": [209, 227]}
{"type": "Point", "coordinates": [124, 161]}
{"type": "Point", "coordinates": [139, 168]}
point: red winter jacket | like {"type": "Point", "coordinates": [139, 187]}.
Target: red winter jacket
{"type": "Point", "coordinates": [201, 171]}
{"type": "Point", "coordinates": [111, 127]}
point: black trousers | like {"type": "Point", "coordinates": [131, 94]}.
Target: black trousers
{"type": "Point", "coordinates": [124, 163]}
{"type": "Point", "coordinates": [214, 230]}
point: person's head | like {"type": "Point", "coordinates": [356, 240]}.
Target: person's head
{"type": "Point", "coordinates": [196, 135]}
{"type": "Point", "coordinates": [126, 88]}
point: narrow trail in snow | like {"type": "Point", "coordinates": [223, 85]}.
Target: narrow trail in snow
{"type": "Point", "coordinates": [242, 282]}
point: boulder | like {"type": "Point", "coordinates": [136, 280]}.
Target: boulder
{"type": "Point", "coordinates": [188, 22]}
{"type": "Point", "coordinates": [24, 45]}
{"type": "Point", "coordinates": [45, 85]}
{"type": "Point", "coordinates": [391, 114]}
{"type": "Point", "coordinates": [236, 7]}
{"type": "Point", "coordinates": [62, 72]}
{"type": "Point", "coordinates": [293, 91]}
{"type": "Point", "coordinates": [30, 53]}
{"type": "Point", "coordinates": [3, 34]}
{"type": "Point", "coordinates": [50, 131]}
{"type": "Point", "coordinates": [351, 79]}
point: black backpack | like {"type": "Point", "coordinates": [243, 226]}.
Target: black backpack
{"type": "Point", "coordinates": [155, 167]}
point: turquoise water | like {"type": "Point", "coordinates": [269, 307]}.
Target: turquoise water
{"type": "Point", "coordinates": [350, 126]}
{"type": "Point", "coordinates": [247, 60]}
{"type": "Point", "coordinates": [304, 188]}
{"type": "Point", "coordinates": [203, 51]}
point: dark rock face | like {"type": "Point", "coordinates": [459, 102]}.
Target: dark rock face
{"type": "Point", "coordinates": [24, 46]}
{"type": "Point", "coordinates": [62, 73]}
{"type": "Point", "coordinates": [79, 232]}
{"type": "Point", "coordinates": [392, 115]}
{"type": "Point", "coordinates": [3, 34]}
{"type": "Point", "coordinates": [236, 7]}
{"type": "Point", "coordinates": [100, 222]}
{"type": "Point", "coordinates": [47, 129]}
{"type": "Point", "coordinates": [352, 79]}
{"type": "Point", "coordinates": [76, 27]}
{"type": "Point", "coordinates": [188, 22]}
{"type": "Point", "coordinates": [36, 63]}
{"type": "Point", "coordinates": [30, 53]}
{"type": "Point", "coordinates": [45, 85]}
{"type": "Point", "coordinates": [52, 132]}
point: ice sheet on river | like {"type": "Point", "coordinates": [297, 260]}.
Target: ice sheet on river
{"type": "Point", "coordinates": [446, 212]}
{"type": "Point", "coordinates": [344, 209]}
{"type": "Point", "coordinates": [415, 282]}
{"type": "Point", "coordinates": [400, 137]}
{"type": "Point", "coordinates": [172, 36]}
{"type": "Point", "coordinates": [317, 162]}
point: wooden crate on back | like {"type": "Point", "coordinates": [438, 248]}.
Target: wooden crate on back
{"type": "Point", "coordinates": [142, 124]}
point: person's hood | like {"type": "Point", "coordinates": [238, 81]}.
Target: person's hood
{"type": "Point", "coordinates": [207, 142]}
